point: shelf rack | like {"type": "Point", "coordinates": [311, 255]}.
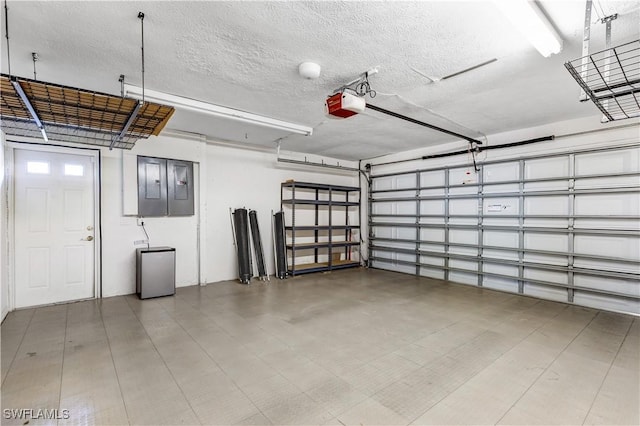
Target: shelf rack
{"type": "Point", "coordinates": [611, 79]}
{"type": "Point", "coordinates": [37, 109]}
{"type": "Point", "coordinates": [341, 239]}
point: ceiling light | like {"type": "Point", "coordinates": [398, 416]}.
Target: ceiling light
{"type": "Point", "coordinates": [188, 104]}
{"type": "Point", "coordinates": [309, 70]}
{"type": "Point", "coordinates": [529, 19]}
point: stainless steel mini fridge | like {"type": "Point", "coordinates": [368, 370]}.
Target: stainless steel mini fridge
{"type": "Point", "coordinates": [155, 272]}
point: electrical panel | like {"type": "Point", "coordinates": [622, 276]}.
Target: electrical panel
{"type": "Point", "coordinates": [152, 186]}
{"type": "Point", "coordinates": [180, 187]}
{"type": "Point", "coordinates": [165, 187]}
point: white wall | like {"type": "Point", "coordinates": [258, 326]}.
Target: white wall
{"type": "Point", "coordinates": [4, 282]}
{"type": "Point", "coordinates": [239, 178]}
{"type": "Point", "coordinates": [232, 178]}
{"type": "Point", "coordinates": [228, 177]}
{"type": "Point", "coordinates": [119, 231]}
{"type": "Point", "coordinates": [571, 136]}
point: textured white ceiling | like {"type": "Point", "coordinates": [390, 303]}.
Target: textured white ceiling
{"type": "Point", "coordinates": [245, 55]}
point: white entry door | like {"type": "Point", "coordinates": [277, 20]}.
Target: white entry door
{"type": "Point", "coordinates": [54, 227]}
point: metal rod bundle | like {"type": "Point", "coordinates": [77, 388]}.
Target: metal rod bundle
{"type": "Point", "coordinates": [257, 246]}
{"type": "Point", "coordinates": [280, 248]}
{"type": "Point", "coordinates": [240, 224]}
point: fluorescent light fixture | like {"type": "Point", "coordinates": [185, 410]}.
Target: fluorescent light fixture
{"type": "Point", "coordinates": [188, 104]}
{"type": "Point", "coordinates": [32, 111]}
{"type": "Point", "coordinates": [529, 19]}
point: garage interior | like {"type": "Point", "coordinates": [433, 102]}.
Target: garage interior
{"type": "Point", "coordinates": [330, 213]}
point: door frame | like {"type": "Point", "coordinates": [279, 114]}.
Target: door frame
{"type": "Point", "coordinates": [94, 153]}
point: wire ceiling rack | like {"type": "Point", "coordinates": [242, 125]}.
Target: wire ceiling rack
{"type": "Point", "coordinates": [611, 80]}
{"type": "Point", "coordinates": [30, 108]}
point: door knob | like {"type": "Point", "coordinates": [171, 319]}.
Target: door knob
{"type": "Point", "coordinates": [89, 228]}
{"type": "Point", "coordinates": [89, 238]}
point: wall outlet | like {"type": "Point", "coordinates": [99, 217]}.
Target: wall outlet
{"type": "Point", "coordinates": [140, 242]}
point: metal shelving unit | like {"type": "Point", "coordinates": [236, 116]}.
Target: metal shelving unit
{"type": "Point", "coordinates": [326, 241]}
{"type": "Point", "coordinates": [611, 79]}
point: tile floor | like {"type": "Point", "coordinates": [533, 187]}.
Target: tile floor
{"type": "Point", "coordinates": [360, 347]}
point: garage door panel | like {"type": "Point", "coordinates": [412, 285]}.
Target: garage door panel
{"type": "Point", "coordinates": [463, 176]}
{"type": "Point", "coordinates": [463, 236]}
{"type": "Point", "coordinates": [432, 207]}
{"type": "Point", "coordinates": [501, 172]}
{"type": "Point", "coordinates": [500, 269]}
{"type": "Point", "coordinates": [505, 211]}
{"type": "Point", "coordinates": [431, 260]}
{"type": "Point", "coordinates": [501, 239]}
{"type": "Point", "coordinates": [432, 178]}
{"type": "Point", "coordinates": [610, 246]}
{"type": "Point", "coordinates": [501, 284]}
{"type": "Point", "coordinates": [603, 265]}
{"type": "Point", "coordinates": [607, 163]}
{"type": "Point", "coordinates": [432, 192]}
{"type": "Point", "coordinates": [553, 185]}
{"type": "Point", "coordinates": [500, 254]}
{"type": "Point", "coordinates": [432, 273]}
{"type": "Point", "coordinates": [437, 248]}
{"type": "Point", "coordinates": [546, 168]}
{"type": "Point", "coordinates": [550, 276]}
{"type": "Point", "coordinates": [463, 251]}
{"type": "Point", "coordinates": [601, 301]}
{"type": "Point", "coordinates": [500, 188]}
{"type": "Point", "coordinates": [606, 224]}
{"type": "Point", "coordinates": [406, 233]}
{"type": "Point", "coordinates": [608, 204]}
{"type": "Point", "coordinates": [406, 207]}
{"type": "Point", "coordinates": [608, 284]}
{"type": "Point", "coordinates": [545, 259]}
{"type": "Point", "coordinates": [463, 264]}
{"type": "Point", "coordinates": [435, 235]}
{"type": "Point", "coordinates": [463, 277]}
{"type": "Point", "coordinates": [539, 241]}
{"type": "Point", "coordinates": [496, 206]}
{"type": "Point", "coordinates": [607, 182]}
{"type": "Point", "coordinates": [495, 220]}
{"type": "Point", "coordinates": [546, 205]}
{"type": "Point", "coordinates": [545, 292]}
{"type": "Point", "coordinates": [464, 206]}
{"type": "Point", "coordinates": [381, 184]}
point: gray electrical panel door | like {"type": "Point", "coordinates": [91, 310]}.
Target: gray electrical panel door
{"type": "Point", "coordinates": [180, 187]}
{"type": "Point", "coordinates": [152, 186]}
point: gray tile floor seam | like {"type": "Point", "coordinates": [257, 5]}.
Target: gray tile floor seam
{"type": "Point", "coordinates": [495, 361]}
{"type": "Point", "coordinates": [222, 369]}
{"type": "Point", "coordinates": [163, 360]}
{"type": "Point", "coordinates": [486, 366]}
{"type": "Point", "coordinates": [114, 364]}
{"type": "Point", "coordinates": [15, 354]}
{"type": "Point", "coordinates": [350, 347]}
{"type": "Point", "coordinates": [607, 374]}
{"type": "Point", "coordinates": [66, 323]}
{"type": "Point", "coordinates": [545, 370]}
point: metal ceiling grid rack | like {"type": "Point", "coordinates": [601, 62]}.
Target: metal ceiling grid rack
{"type": "Point", "coordinates": [330, 240]}
{"type": "Point", "coordinates": [611, 80]}
{"type": "Point", "coordinates": [37, 109]}
{"type": "Point", "coordinates": [424, 241]}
